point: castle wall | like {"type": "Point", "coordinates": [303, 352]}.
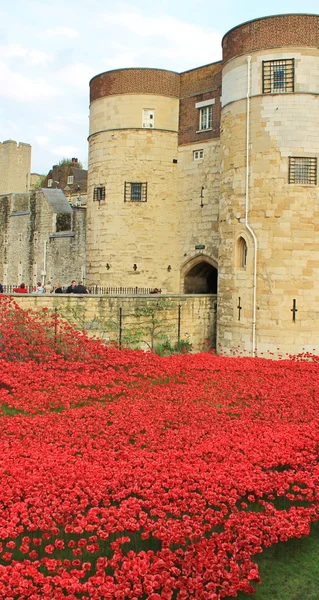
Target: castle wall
{"type": "Point", "coordinates": [30, 245]}
{"type": "Point", "coordinates": [189, 318]}
{"type": "Point", "coordinates": [284, 216]}
{"type": "Point", "coordinates": [198, 203]}
{"type": "Point", "coordinates": [15, 167]}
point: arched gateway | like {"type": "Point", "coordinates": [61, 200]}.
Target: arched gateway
{"type": "Point", "coordinates": [199, 276]}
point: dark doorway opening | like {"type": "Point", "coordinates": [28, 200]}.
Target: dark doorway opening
{"type": "Point", "coordinates": [201, 279]}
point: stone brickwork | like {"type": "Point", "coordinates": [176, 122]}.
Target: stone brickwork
{"type": "Point", "coordinates": [15, 167]}
{"type": "Point", "coordinates": [283, 216]}
{"type": "Point", "coordinates": [189, 318]}
{"type": "Point", "coordinates": [31, 244]}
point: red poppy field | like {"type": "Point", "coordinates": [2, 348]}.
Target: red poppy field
{"type": "Point", "coordinates": [126, 475]}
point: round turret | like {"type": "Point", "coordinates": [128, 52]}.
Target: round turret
{"type": "Point", "coordinates": [131, 232]}
{"type": "Point", "coordinates": [269, 203]}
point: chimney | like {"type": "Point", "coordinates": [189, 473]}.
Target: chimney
{"type": "Point", "coordinates": [75, 160]}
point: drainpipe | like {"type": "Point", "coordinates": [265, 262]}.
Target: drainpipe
{"type": "Point", "coordinates": [248, 227]}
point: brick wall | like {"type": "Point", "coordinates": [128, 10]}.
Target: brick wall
{"type": "Point", "coordinates": [139, 81]}
{"type": "Point", "coordinates": [272, 32]}
{"type": "Point", "coordinates": [198, 85]}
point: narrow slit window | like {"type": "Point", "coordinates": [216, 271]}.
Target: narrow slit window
{"type": "Point", "coordinates": [242, 251]}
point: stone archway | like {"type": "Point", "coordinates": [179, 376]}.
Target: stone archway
{"type": "Point", "coordinates": [199, 276]}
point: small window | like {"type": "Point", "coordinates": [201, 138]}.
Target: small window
{"type": "Point", "coordinates": [50, 182]}
{"type": "Point", "coordinates": [70, 179]}
{"type": "Point", "coordinates": [135, 192]}
{"type": "Point", "coordinates": [242, 251]}
{"type": "Point", "coordinates": [278, 76]}
{"type": "Point", "coordinates": [63, 222]}
{"type": "Point", "coordinates": [198, 154]}
{"type": "Point", "coordinates": [205, 118]}
{"type": "Point", "coordinates": [303, 170]}
{"type": "Point", "coordinates": [148, 118]}
{"type": "Point", "coordinates": [99, 194]}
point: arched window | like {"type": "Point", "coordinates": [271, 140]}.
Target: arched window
{"type": "Point", "coordinates": [242, 250]}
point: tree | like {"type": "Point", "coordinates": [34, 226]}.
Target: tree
{"type": "Point", "coordinates": [67, 162]}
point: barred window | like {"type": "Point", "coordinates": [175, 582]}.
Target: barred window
{"type": "Point", "coordinates": [135, 192]}
{"type": "Point", "coordinates": [278, 76]}
{"type": "Point", "coordinates": [99, 194]}
{"type": "Point", "coordinates": [303, 170]}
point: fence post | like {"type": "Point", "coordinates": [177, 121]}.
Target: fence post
{"type": "Point", "coordinates": [55, 325]}
{"type": "Point", "coordinates": [120, 326]}
{"type": "Point", "coordinates": [179, 324]}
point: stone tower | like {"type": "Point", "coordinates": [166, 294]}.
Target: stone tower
{"type": "Point", "coordinates": [15, 167]}
{"type": "Point", "coordinates": [269, 201]}
{"type": "Point", "coordinates": [131, 211]}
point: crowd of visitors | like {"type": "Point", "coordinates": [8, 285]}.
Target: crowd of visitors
{"type": "Point", "coordinates": [74, 288]}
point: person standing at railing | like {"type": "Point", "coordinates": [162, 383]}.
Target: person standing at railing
{"type": "Point", "coordinates": [21, 289]}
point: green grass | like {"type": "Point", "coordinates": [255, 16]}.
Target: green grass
{"type": "Point", "coordinates": [289, 571]}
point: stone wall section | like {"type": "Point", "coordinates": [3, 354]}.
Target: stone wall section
{"type": "Point", "coordinates": [99, 316]}
{"type": "Point", "coordinates": [15, 167]}
{"type": "Point", "coordinates": [121, 233]}
{"type": "Point", "coordinates": [28, 224]}
{"type": "Point", "coordinates": [198, 202]}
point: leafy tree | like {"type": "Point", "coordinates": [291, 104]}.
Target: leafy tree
{"type": "Point", "coordinates": [67, 162]}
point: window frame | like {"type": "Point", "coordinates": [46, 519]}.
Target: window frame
{"type": "Point", "coordinates": [136, 194]}
{"type": "Point", "coordinates": [198, 152]}
{"type": "Point", "coordinates": [241, 253]}
{"type": "Point", "coordinates": [148, 118]}
{"type": "Point", "coordinates": [208, 119]}
{"type": "Point", "coordinates": [269, 69]}
{"type": "Point", "coordinates": [310, 166]}
{"type": "Point", "coordinates": [70, 180]}
{"type": "Point", "coordinates": [99, 193]}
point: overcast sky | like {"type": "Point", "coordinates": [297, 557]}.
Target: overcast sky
{"type": "Point", "coordinates": [49, 50]}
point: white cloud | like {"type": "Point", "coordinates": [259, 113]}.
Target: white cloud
{"type": "Point", "coordinates": [16, 86]}
{"type": "Point", "coordinates": [54, 32]}
{"type": "Point", "coordinates": [166, 38]}
{"type": "Point", "coordinates": [30, 57]}
{"type": "Point", "coordinates": [56, 127]}
{"type": "Point", "coordinates": [65, 151]}
{"type": "Point", "coordinates": [41, 140]}
{"type": "Point", "coordinates": [76, 74]}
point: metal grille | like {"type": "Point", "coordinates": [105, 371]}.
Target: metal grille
{"type": "Point", "coordinates": [278, 76]}
{"type": "Point", "coordinates": [99, 194]}
{"type": "Point", "coordinates": [303, 170]}
{"type": "Point", "coordinates": [135, 192]}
